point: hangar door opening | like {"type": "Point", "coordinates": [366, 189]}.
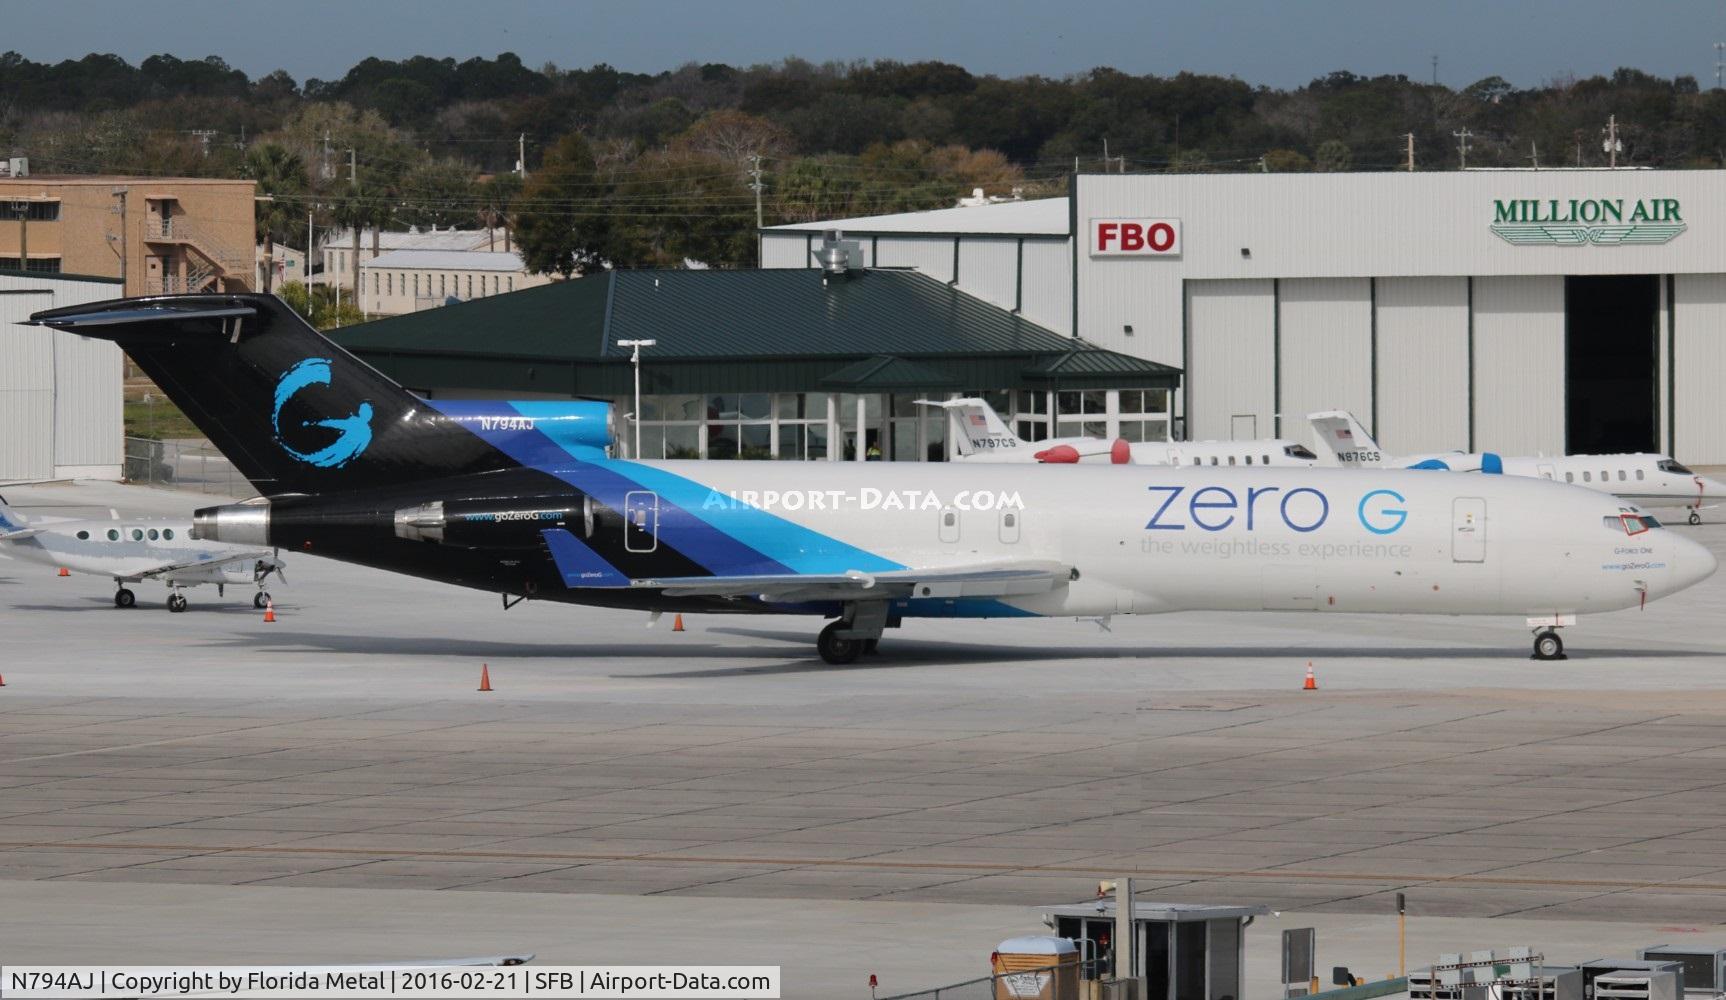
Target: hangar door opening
{"type": "Point", "coordinates": [1611, 380]}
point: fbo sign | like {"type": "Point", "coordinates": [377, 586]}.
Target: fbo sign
{"type": "Point", "coordinates": [1135, 237]}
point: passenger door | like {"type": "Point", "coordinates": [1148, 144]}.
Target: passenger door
{"type": "Point", "coordinates": [1545, 470]}
{"type": "Point", "coordinates": [641, 521]}
{"type": "Point", "coordinates": [1468, 530]}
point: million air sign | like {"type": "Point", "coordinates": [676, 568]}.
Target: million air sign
{"type": "Point", "coordinates": [1135, 237]}
{"type": "Point", "coordinates": [1574, 222]}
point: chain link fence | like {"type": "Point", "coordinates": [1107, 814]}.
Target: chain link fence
{"type": "Point", "coordinates": [184, 465]}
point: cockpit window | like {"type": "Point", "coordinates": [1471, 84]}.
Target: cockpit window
{"type": "Point", "coordinates": [1630, 524]}
{"type": "Point", "coordinates": [1671, 465]}
{"type": "Point", "coordinates": [1298, 451]}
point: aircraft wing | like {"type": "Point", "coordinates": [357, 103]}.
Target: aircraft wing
{"type": "Point", "coordinates": [249, 556]}
{"type": "Point", "coordinates": [983, 580]}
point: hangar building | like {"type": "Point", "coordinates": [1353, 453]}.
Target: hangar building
{"type": "Point", "coordinates": [60, 394]}
{"type": "Point", "coordinates": [1517, 311]}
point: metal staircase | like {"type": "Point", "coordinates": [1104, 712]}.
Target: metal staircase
{"type": "Point", "coordinates": [210, 259]}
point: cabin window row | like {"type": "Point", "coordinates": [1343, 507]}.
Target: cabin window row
{"type": "Point", "coordinates": [1605, 476]}
{"type": "Point", "coordinates": [137, 534]}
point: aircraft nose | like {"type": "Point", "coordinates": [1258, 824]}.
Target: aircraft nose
{"type": "Point", "coordinates": [1692, 562]}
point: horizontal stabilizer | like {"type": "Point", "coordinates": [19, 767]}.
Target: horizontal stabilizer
{"type": "Point", "coordinates": [127, 312]}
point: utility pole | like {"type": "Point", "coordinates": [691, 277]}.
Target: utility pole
{"type": "Point", "coordinates": [204, 134]}
{"type": "Point", "coordinates": [1264, 167]}
{"type": "Point", "coordinates": [1409, 152]}
{"type": "Point", "coordinates": [307, 273]}
{"type": "Point", "coordinates": [521, 156]}
{"type": "Point", "coordinates": [120, 194]}
{"type": "Point", "coordinates": [1579, 147]}
{"type": "Point", "coordinates": [1719, 63]}
{"type": "Point", "coordinates": [1534, 154]}
{"type": "Point", "coordinates": [1435, 69]}
{"type": "Point", "coordinates": [1613, 145]}
{"type": "Point", "coordinates": [327, 172]}
{"type": "Point", "coordinates": [756, 185]}
{"type": "Point", "coordinates": [353, 168]}
{"type": "Point", "coordinates": [23, 208]}
{"type": "Point", "coordinates": [1462, 144]}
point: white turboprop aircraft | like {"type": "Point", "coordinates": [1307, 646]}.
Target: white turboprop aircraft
{"type": "Point", "coordinates": [980, 435]}
{"type": "Point", "coordinates": [1646, 479]}
{"type": "Point", "coordinates": [130, 550]}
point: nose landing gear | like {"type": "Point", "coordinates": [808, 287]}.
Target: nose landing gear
{"type": "Point", "coordinates": [124, 598]}
{"type": "Point", "coordinates": [1695, 516]}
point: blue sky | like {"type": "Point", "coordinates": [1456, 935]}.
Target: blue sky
{"type": "Point", "coordinates": [1277, 42]}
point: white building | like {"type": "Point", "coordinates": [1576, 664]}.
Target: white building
{"type": "Point", "coordinates": [287, 263]}
{"type": "Point", "coordinates": [61, 406]}
{"type": "Point", "coordinates": [404, 281]}
{"type": "Point", "coordinates": [338, 247]}
{"type": "Point", "coordinates": [1517, 311]}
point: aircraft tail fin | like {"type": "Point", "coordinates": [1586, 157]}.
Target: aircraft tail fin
{"type": "Point", "coordinates": [975, 425]}
{"type": "Point", "coordinates": [292, 411]}
{"type": "Point", "coordinates": [1341, 437]}
{"type": "Point", "coordinates": [10, 520]}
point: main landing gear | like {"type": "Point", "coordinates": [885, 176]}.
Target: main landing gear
{"type": "Point", "coordinates": [176, 602]}
{"type": "Point", "coordinates": [1548, 646]}
{"type": "Point", "coordinates": [124, 598]}
{"type": "Point", "coordinates": [857, 631]}
{"type": "Point", "coordinates": [1695, 516]}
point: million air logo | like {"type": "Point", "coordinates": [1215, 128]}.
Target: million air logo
{"type": "Point", "coordinates": [1577, 222]}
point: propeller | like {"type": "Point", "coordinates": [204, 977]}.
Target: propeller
{"type": "Point", "coordinates": [273, 564]}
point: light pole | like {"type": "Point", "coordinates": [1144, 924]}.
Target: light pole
{"type": "Point", "coordinates": [635, 359]}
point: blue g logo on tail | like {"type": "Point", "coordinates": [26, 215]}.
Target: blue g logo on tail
{"type": "Point", "coordinates": [354, 432]}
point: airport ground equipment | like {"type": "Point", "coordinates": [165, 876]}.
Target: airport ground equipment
{"type": "Point", "coordinates": [1704, 968]}
{"type": "Point", "coordinates": [1185, 951]}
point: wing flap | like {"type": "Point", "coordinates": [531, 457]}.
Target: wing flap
{"type": "Point", "coordinates": [205, 563]}
{"type": "Point", "coordinates": [1015, 579]}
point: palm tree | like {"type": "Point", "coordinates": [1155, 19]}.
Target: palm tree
{"type": "Point", "coordinates": [279, 174]}
{"type": "Point", "coordinates": [354, 212]}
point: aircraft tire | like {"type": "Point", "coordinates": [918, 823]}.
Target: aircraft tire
{"type": "Point", "coordinates": [1695, 517]}
{"type": "Point", "coordinates": [176, 603]}
{"type": "Point", "coordinates": [1548, 646]}
{"type": "Point", "coordinates": [836, 650]}
{"type": "Point", "coordinates": [871, 646]}
{"type": "Point", "coordinates": [260, 599]}
{"type": "Point", "coordinates": [124, 598]}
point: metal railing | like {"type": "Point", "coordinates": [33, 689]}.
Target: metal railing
{"type": "Point", "coordinates": [184, 465]}
{"type": "Point", "coordinates": [1055, 982]}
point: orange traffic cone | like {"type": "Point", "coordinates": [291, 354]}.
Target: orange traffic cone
{"type": "Point", "coordinates": [269, 610]}
{"type": "Point", "coordinates": [65, 572]}
{"type": "Point", "coordinates": [677, 623]}
{"type": "Point", "coordinates": [1311, 681]}
{"type": "Point", "coordinates": [484, 677]}
{"type": "Point", "coordinates": [2, 682]}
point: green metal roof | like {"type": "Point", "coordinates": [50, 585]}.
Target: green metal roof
{"type": "Point", "coordinates": [773, 330]}
{"type": "Point", "coordinates": [885, 372]}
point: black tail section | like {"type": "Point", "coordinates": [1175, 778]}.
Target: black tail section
{"type": "Point", "coordinates": [294, 412]}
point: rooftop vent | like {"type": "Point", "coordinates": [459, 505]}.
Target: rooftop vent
{"type": "Point", "coordinates": [836, 255]}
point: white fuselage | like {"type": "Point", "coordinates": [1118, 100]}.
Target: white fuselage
{"type": "Point", "coordinates": [133, 550]}
{"type": "Point", "coordinates": [1156, 539]}
{"type": "Point", "coordinates": [1645, 479]}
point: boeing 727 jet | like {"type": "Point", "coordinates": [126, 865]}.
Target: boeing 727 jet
{"type": "Point", "coordinates": [523, 500]}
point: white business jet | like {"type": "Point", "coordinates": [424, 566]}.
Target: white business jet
{"type": "Point", "coordinates": [1642, 478]}
{"type": "Point", "coordinates": [980, 435]}
{"type": "Point", "coordinates": [131, 550]}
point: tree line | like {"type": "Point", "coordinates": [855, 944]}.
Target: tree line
{"type": "Point", "coordinates": [637, 169]}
